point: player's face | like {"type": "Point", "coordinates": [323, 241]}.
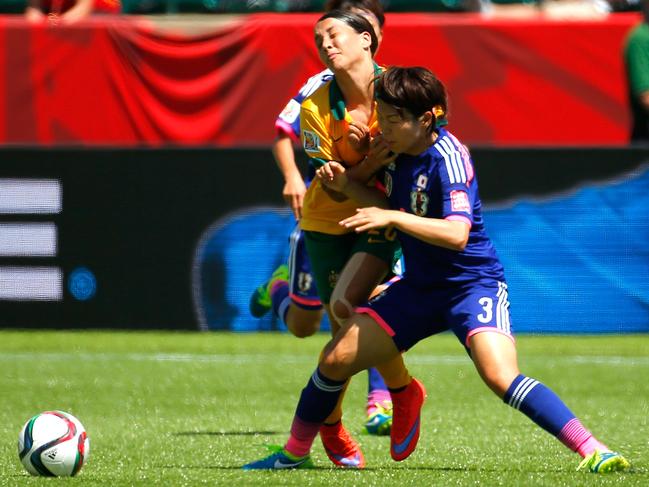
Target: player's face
{"type": "Point", "coordinates": [404, 133]}
{"type": "Point", "coordinates": [339, 45]}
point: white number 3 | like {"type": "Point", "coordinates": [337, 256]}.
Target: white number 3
{"type": "Point", "coordinates": [487, 305]}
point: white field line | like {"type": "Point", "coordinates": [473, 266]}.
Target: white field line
{"type": "Point", "coordinates": [641, 361]}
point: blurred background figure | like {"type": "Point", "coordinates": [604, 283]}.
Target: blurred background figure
{"type": "Point", "coordinates": [636, 59]}
{"type": "Point", "coordinates": [68, 11]}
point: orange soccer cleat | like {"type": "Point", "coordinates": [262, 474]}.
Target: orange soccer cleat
{"type": "Point", "coordinates": [406, 420]}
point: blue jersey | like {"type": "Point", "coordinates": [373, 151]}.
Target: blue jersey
{"type": "Point", "coordinates": [288, 121]}
{"type": "Point", "coordinates": [440, 183]}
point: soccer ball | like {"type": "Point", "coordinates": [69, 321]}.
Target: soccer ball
{"type": "Point", "coordinates": [53, 444]}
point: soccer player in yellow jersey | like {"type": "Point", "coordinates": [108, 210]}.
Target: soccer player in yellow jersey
{"type": "Point", "coordinates": [290, 292]}
{"type": "Point", "coordinates": [336, 123]}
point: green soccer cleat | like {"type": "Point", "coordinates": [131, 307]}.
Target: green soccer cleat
{"type": "Point", "coordinates": [280, 459]}
{"type": "Point", "coordinates": [379, 422]}
{"type": "Point", "coordinates": [260, 302]}
{"type": "Point", "coordinates": [604, 462]}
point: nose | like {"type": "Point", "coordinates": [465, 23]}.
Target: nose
{"type": "Point", "coordinates": [326, 43]}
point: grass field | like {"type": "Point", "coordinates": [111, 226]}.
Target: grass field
{"type": "Point", "coordinates": [189, 409]}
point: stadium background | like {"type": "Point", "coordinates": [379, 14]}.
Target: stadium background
{"type": "Point", "coordinates": [137, 188]}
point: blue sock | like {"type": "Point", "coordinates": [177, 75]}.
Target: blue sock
{"type": "Point", "coordinates": [375, 381]}
{"type": "Point", "coordinates": [539, 403]}
{"type": "Point", "coordinates": [319, 398]}
{"type": "Point", "coordinates": [280, 300]}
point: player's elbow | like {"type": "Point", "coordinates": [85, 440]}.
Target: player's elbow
{"type": "Point", "coordinates": [458, 245]}
{"type": "Point", "coordinates": [459, 236]}
{"type": "Point", "coordinates": [462, 242]}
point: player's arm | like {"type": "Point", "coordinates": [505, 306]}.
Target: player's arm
{"type": "Point", "coordinates": [80, 10]}
{"type": "Point", "coordinates": [294, 187]}
{"type": "Point", "coordinates": [33, 12]}
{"type": "Point", "coordinates": [334, 176]}
{"type": "Point", "coordinates": [450, 234]}
{"type": "Point", "coordinates": [378, 156]}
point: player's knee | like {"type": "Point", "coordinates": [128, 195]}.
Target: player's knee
{"type": "Point", "coordinates": [303, 322]}
{"type": "Point", "coordinates": [336, 362]}
{"type": "Point", "coordinates": [303, 329]}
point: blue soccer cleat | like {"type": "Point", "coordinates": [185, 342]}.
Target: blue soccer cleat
{"type": "Point", "coordinates": [379, 423]}
{"type": "Point", "coordinates": [604, 462]}
{"type": "Point", "coordinates": [280, 459]}
{"type": "Point", "coordinates": [260, 301]}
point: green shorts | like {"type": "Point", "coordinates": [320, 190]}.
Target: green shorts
{"type": "Point", "coordinates": [328, 254]}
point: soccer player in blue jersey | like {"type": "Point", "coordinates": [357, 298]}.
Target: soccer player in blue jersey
{"type": "Point", "coordinates": [291, 290]}
{"type": "Point", "coordinates": [453, 281]}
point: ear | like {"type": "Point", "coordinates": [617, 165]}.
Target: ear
{"type": "Point", "coordinates": [366, 40]}
{"type": "Point", "coordinates": [427, 118]}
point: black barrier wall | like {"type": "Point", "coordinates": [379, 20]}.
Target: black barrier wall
{"type": "Point", "coordinates": [106, 238]}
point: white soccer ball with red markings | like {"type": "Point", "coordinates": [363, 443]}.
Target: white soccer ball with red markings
{"type": "Point", "coordinates": [53, 444]}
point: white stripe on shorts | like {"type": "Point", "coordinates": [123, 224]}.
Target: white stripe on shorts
{"type": "Point", "coordinates": [292, 254]}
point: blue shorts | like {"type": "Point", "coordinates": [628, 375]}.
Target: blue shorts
{"type": "Point", "coordinates": [301, 282]}
{"type": "Point", "coordinates": [411, 313]}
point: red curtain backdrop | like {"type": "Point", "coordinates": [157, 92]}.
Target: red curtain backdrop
{"type": "Point", "coordinates": [125, 82]}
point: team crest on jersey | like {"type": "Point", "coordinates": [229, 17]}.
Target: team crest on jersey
{"type": "Point", "coordinates": [311, 141]}
{"type": "Point", "coordinates": [422, 181]}
{"type": "Point", "coordinates": [304, 281]}
{"type": "Point", "coordinates": [460, 201]}
{"type": "Point", "coordinates": [387, 182]}
{"type": "Point", "coordinates": [291, 111]}
{"type": "Point", "coordinates": [419, 202]}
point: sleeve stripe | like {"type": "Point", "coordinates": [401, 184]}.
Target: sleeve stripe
{"type": "Point", "coordinates": [452, 154]}
{"type": "Point", "coordinates": [459, 218]}
{"type": "Point", "coordinates": [447, 160]}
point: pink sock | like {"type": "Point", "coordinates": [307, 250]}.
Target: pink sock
{"type": "Point", "coordinates": [302, 436]}
{"type": "Point", "coordinates": [379, 396]}
{"type": "Point", "coordinates": [579, 439]}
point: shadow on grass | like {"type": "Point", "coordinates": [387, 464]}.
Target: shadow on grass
{"type": "Point", "coordinates": [226, 433]}
{"type": "Point", "coordinates": [350, 471]}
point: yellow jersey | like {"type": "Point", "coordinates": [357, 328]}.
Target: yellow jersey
{"type": "Point", "coordinates": [324, 130]}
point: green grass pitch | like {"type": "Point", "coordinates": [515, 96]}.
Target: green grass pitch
{"type": "Point", "coordinates": [184, 409]}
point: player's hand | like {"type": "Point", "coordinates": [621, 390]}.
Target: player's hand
{"type": "Point", "coordinates": [293, 193]}
{"type": "Point", "coordinates": [359, 137]}
{"type": "Point", "coordinates": [34, 16]}
{"type": "Point", "coordinates": [333, 179]}
{"type": "Point", "coordinates": [368, 219]}
{"type": "Point", "coordinates": [332, 176]}
{"type": "Point", "coordinates": [379, 154]}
